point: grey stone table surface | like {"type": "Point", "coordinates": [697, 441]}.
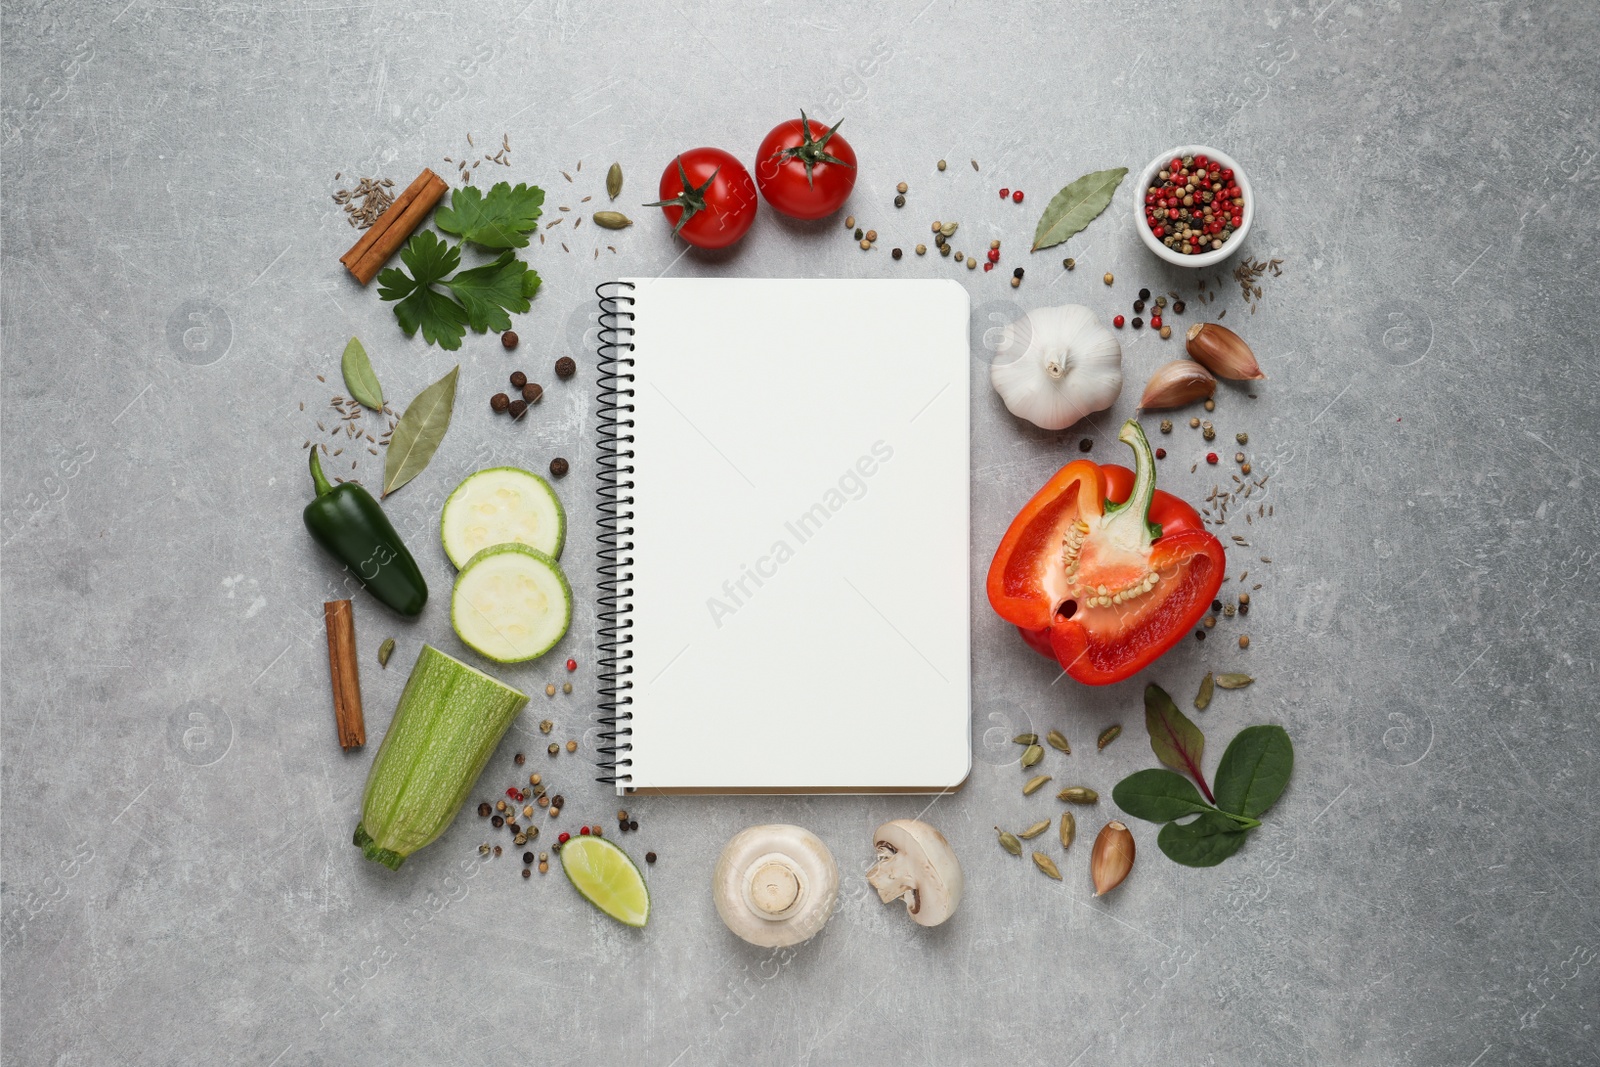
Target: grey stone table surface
{"type": "Point", "coordinates": [179, 885]}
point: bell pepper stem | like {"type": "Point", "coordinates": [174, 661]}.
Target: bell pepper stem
{"type": "Point", "coordinates": [320, 480]}
{"type": "Point", "coordinates": [1129, 522]}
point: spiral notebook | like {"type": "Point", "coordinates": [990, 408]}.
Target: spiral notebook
{"type": "Point", "coordinates": [784, 536]}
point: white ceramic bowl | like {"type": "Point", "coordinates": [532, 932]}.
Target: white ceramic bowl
{"type": "Point", "coordinates": [1147, 178]}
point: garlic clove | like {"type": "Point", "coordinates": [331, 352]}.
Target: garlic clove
{"type": "Point", "coordinates": [1057, 365]}
{"type": "Point", "coordinates": [1183, 381]}
{"type": "Point", "coordinates": [1112, 857]}
{"type": "Point", "coordinates": [1222, 352]}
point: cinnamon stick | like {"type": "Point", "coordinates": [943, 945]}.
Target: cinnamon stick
{"type": "Point", "coordinates": [341, 624]}
{"type": "Point", "coordinates": [384, 237]}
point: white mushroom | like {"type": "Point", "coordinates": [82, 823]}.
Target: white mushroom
{"type": "Point", "coordinates": [917, 863]}
{"type": "Point", "coordinates": [775, 885]}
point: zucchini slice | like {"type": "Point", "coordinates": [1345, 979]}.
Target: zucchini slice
{"type": "Point", "coordinates": [501, 505]}
{"type": "Point", "coordinates": [511, 603]}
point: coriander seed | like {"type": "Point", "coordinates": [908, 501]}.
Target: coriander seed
{"type": "Point", "coordinates": [572, 746]}
{"type": "Point", "coordinates": [1166, 332]}
{"type": "Point", "coordinates": [902, 187]}
{"type": "Point", "coordinates": [849, 222]}
{"type": "Point", "coordinates": [1242, 438]}
{"type": "Point", "coordinates": [872, 235]}
{"type": "Point", "coordinates": [1245, 469]}
{"type": "Point", "coordinates": [1194, 424]}
{"type": "Point", "coordinates": [554, 748]}
{"type": "Point", "coordinates": [1015, 281]}
{"type": "Point", "coordinates": [1238, 457]}
{"type": "Point", "coordinates": [1244, 640]}
{"type": "Point", "coordinates": [922, 250]}
{"type": "Point", "coordinates": [865, 244]}
{"type": "Point", "coordinates": [566, 687]}
{"type": "Point", "coordinates": [1109, 278]}
{"type": "Point", "coordinates": [1211, 405]}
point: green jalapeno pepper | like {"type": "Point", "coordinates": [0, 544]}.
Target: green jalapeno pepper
{"type": "Point", "coordinates": [345, 520]}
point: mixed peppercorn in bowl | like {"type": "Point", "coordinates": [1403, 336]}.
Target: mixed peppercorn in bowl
{"type": "Point", "coordinates": [1193, 206]}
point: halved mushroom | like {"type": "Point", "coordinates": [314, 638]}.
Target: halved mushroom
{"type": "Point", "coordinates": [917, 863]}
{"type": "Point", "coordinates": [775, 884]}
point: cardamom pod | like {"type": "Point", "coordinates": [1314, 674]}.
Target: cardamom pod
{"type": "Point", "coordinates": [1034, 785]}
{"type": "Point", "coordinates": [949, 229]}
{"type": "Point", "coordinates": [1069, 829]}
{"type": "Point", "coordinates": [612, 220]}
{"type": "Point", "coordinates": [614, 181]}
{"type": "Point", "coordinates": [1058, 741]}
{"type": "Point", "coordinates": [1108, 735]}
{"type": "Point", "coordinates": [1035, 830]}
{"type": "Point", "coordinates": [1202, 699]}
{"type": "Point", "coordinates": [385, 650]}
{"type": "Point", "coordinates": [1234, 681]}
{"type": "Point", "coordinates": [1047, 865]}
{"type": "Point", "coordinates": [1009, 842]}
{"type": "Point", "coordinates": [1025, 739]}
{"type": "Point", "coordinates": [1078, 794]}
{"type": "Point", "coordinates": [1031, 755]}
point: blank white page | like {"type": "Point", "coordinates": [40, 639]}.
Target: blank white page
{"type": "Point", "coordinates": [800, 498]}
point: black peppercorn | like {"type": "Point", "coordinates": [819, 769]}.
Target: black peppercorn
{"type": "Point", "coordinates": [499, 402]}
{"type": "Point", "coordinates": [518, 379]}
{"type": "Point", "coordinates": [558, 467]}
{"type": "Point", "coordinates": [558, 800]}
{"type": "Point", "coordinates": [566, 367]}
{"type": "Point", "coordinates": [527, 857]}
{"type": "Point", "coordinates": [513, 827]}
{"type": "Point", "coordinates": [532, 392]}
{"type": "Point", "coordinates": [633, 824]}
{"type": "Point", "coordinates": [649, 857]}
{"type": "Point", "coordinates": [1017, 273]}
{"type": "Point", "coordinates": [1177, 307]}
{"type": "Point", "coordinates": [896, 253]}
{"type": "Point", "coordinates": [1138, 305]}
{"type": "Point", "coordinates": [1138, 323]}
{"type": "Point", "coordinates": [497, 851]}
{"type": "Point", "coordinates": [484, 809]}
{"type": "Point", "coordinates": [519, 759]}
{"type": "Point", "coordinates": [1144, 294]}
{"type": "Point", "coordinates": [509, 339]}
{"type": "Point", "coordinates": [1216, 605]}
{"type": "Point", "coordinates": [1085, 444]}
{"type": "Point", "coordinates": [527, 872]}
{"type": "Point", "coordinates": [1199, 635]}
{"type": "Point", "coordinates": [518, 408]}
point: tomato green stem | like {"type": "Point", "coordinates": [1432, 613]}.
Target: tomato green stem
{"type": "Point", "coordinates": [692, 200]}
{"type": "Point", "coordinates": [813, 150]}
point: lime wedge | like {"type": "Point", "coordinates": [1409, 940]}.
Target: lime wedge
{"type": "Point", "coordinates": [607, 878]}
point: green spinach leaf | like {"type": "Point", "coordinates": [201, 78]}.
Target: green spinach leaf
{"type": "Point", "coordinates": [1254, 770]}
{"type": "Point", "coordinates": [1205, 842]}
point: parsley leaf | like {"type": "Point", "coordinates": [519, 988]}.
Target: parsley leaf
{"type": "Point", "coordinates": [479, 297]}
{"type": "Point", "coordinates": [487, 292]}
{"type": "Point", "coordinates": [503, 219]}
{"type": "Point", "coordinates": [421, 306]}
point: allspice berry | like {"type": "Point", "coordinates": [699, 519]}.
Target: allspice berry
{"type": "Point", "coordinates": [518, 408]}
{"type": "Point", "coordinates": [532, 392]}
{"type": "Point", "coordinates": [518, 379]}
{"type": "Point", "coordinates": [566, 367]}
{"type": "Point", "coordinates": [558, 467]}
{"type": "Point", "coordinates": [509, 340]}
{"type": "Point", "coordinates": [499, 402]}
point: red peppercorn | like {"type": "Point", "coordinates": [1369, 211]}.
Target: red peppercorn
{"type": "Point", "coordinates": [1016, 197]}
{"type": "Point", "coordinates": [512, 792]}
{"type": "Point", "coordinates": [987, 267]}
{"type": "Point", "coordinates": [994, 255]}
{"type": "Point", "coordinates": [572, 664]}
{"type": "Point", "coordinates": [1155, 322]}
{"type": "Point", "coordinates": [564, 838]}
{"type": "Point", "coordinates": [583, 831]}
{"type": "Point", "coordinates": [1004, 193]}
{"type": "Point", "coordinates": [1159, 231]}
{"type": "Point", "coordinates": [1161, 453]}
{"type": "Point", "coordinates": [1117, 322]}
{"type": "Point", "coordinates": [1211, 457]}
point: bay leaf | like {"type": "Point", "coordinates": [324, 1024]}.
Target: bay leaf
{"type": "Point", "coordinates": [419, 432]}
{"type": "Point", "coordinates": [1254, 770]}
{"type": "Point", "coordinates": [1174, 737]}
{"type": "Point", "coordinates": [359, 377]}
{"type": "Point", "coordinates": [1075, 206]}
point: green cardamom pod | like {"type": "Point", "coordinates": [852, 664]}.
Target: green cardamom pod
{"type": "Point", "coordinates": [1234, 681]}
{"type": "Point", "coordinates": [612, 220]}
{"type": "Point", "coordinates": [1058, 741]}
{"type": "Point", "coordinates": [1069, 829]}
{"type": "Point", "coordinates": [1031, 755]}
{"type": "Point", "coordinates": [385, 650]}
{"type": "Point", "coordinates": [1034, 785]}
{"type": "Point", "coordinates": [1202, 699]}
{"type": "Point", "coordinates": [1078, 794]}
{"type": "Point", "coordinates": [1025, 739]}
{"type": "Point", "coordinates": [614, 181]}
{"type": "Point", "coordinates": [1009, 842]}
{"type": "Point", "coordinates": [1035, 830]}
{"type": "Point", "coordinates": [1047, 865]}
{"type": "Point", "coordinates": [1108, 735]}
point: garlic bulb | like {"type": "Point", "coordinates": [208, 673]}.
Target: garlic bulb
{"type": "Point", "coordinates": [1056, 365]}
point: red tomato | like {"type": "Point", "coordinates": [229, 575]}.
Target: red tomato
{"type": "Point", "coordinates": [708, 197]}
{"type": "Point", "coordinates": [804, 169]}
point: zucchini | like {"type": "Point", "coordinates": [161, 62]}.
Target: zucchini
{"type": "Point", "coordinates": [449, 720]}
{"type": "Point", "coordinates": [511, 603]}
{"type": "Point", "coordinates": [498, 505]}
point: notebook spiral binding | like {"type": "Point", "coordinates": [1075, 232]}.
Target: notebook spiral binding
{"type": "Point", "coordinates": [616, 530]}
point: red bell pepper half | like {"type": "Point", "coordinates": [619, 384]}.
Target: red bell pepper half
{"type": "Point", "coordinates": [1104, 571]}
